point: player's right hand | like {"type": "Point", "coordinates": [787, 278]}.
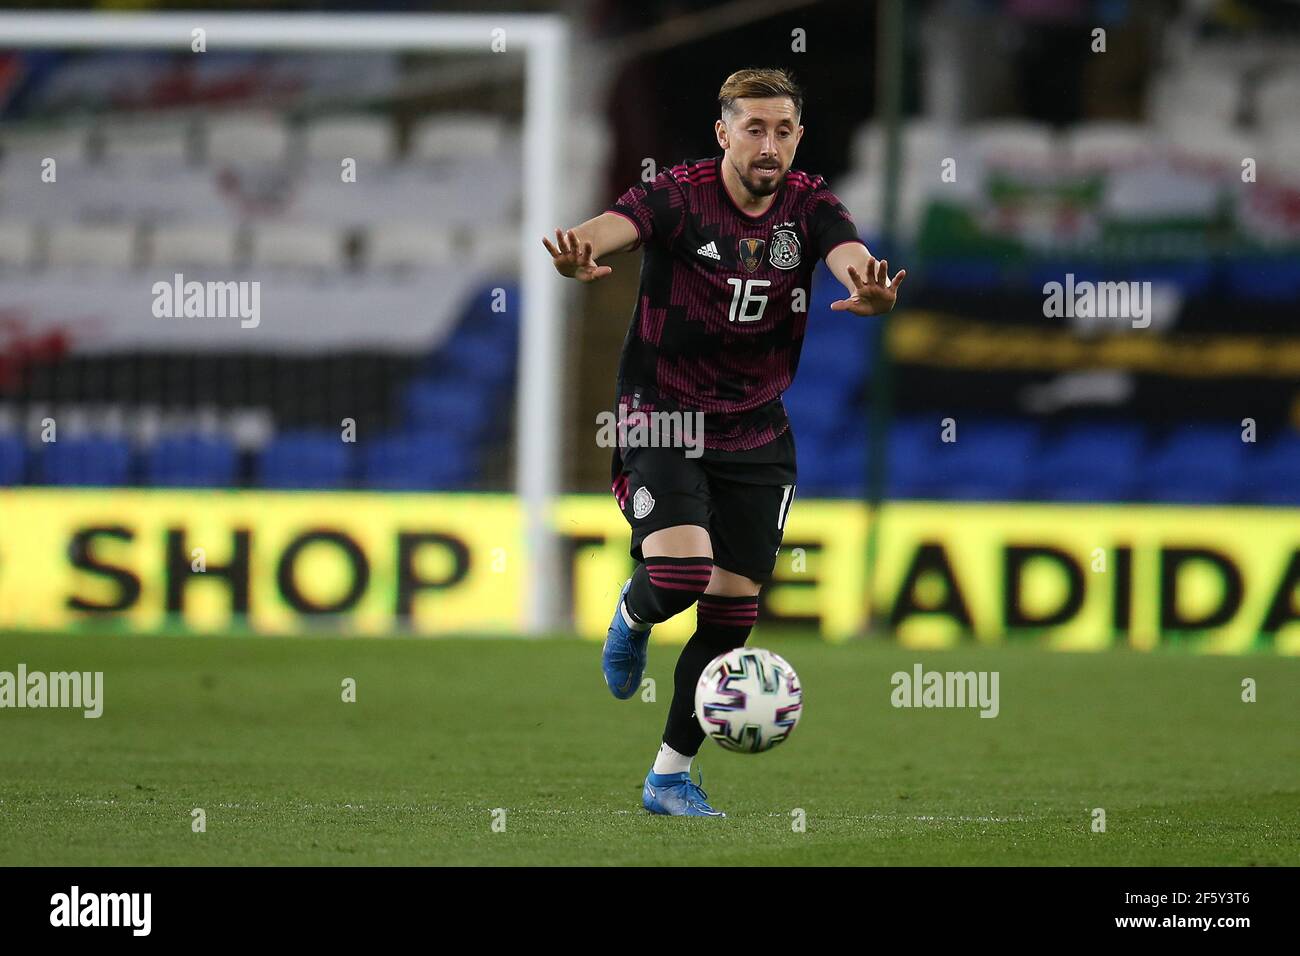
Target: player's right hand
{"type": "Point", "coordinates": [573, 259]}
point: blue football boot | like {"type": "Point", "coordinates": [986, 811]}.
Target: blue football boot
{"type": "Point", "coordinates": [624, 656]}
{"type": "Point", "coordinates": [675, 795]}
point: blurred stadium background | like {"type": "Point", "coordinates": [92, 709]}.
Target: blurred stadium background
{"type": "Point", "coordinates": [1109, 484]}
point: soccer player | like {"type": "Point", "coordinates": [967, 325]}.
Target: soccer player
{"type": "Point", "coordinates": [730, 244]}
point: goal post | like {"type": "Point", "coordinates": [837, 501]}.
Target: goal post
{"type": "Point", "coordinates": [544, 41]}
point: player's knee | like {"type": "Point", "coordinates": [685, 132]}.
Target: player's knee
{"type": "Point", "coordinates": [663, 587]}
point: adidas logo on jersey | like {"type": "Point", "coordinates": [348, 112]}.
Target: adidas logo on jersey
{"type": "Point", "coordinates": [709, 250]}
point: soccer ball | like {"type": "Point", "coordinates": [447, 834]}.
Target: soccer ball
{"type": "Point", "coordinates": [748, 700]}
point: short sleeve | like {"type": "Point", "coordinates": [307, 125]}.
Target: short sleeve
{"type": "Point", "coordinates": [656, 208]}
{"type": "Point", "coordinates": [829, 222]}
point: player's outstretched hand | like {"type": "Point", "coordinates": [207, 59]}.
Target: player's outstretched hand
{"type": "Point", "coordinates": [573, 259]}
{"type": "Point", "coordinates": [873, 293]}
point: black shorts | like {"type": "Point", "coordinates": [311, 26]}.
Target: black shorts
{"type": "Point", "coordinates": [742, 503]}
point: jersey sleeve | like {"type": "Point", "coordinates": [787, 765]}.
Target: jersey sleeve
{"type": "Point", "coordinates": [829, 222]}
{"type": "Point", "coordinates": [656, 208]}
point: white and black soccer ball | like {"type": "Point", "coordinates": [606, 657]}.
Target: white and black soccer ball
{"type": "Point", "coordinates": [748, 700]}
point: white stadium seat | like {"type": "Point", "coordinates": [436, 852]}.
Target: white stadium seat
{"type": "Point", "coordinates": [1014, 142]}
{"type": "Point", "coordinates": [92, 246]}
{"type": "Point", "coordinates": [297, 246]}
{"type": "Point", "coordinates": [245, 139]}
{"type": "Point", "coordinates": [497, 247]}
{"type": "Point", "coordinates": [158, 141]}
{"type": "Point", "coordinates": [1209, 94]}
{"type": "Point", "coordinates": [458, 136]}
{"type": "Point", "coordinates": [925, 144]}
{"type": "Point", "coordinates": [367, 139]}
{"type": "Point", "coordinates": [1278, 154]}
{"type": "Point", "coordinates": [66, 144]}
{"type": "Point", "coordinates": [408, 246]}
{"type": "Point", "coordinates": [1109, 142]}
{"type": "Point", "coordinates": [17, 244]}
{"type": "Point", "coordinates": [1277, 100]}
{"type": "Point", "coordinates": [209, 245]}
{"type": "Point", "coordinates": [1207, 139]}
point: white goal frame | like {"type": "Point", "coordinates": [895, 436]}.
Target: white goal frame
{"type": "Point", "coordinates": [544, 41]}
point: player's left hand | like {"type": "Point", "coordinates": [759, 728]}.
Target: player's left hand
{"type": "Point", "coordinates": [873, 293]}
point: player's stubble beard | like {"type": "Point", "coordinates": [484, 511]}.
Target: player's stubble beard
{"type": "Point", "coordinates": [757, 187]}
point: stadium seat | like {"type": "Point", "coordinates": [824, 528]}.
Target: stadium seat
{"type": "Point", "coordinates": [192, 461]}
{"type": "Point", "coordinates": [1279, 153]}
{"type": "Point", "coordinates": [1014, 142]}
{"type": "Point", "coordinates": [1277, 100]}
{"type": "Point", "coordinates": [291, 245]}
{"type": "Point", "coordinates": [835, 347]}
{"type": "Point", "coordinates": [13, 459]}
{"type": "Point", "coordinates": [239, 139]}
{"type": "Point", "coordinates": [1263, 278]}
{"type": "Point", "coordinates": [305, 459]}
{"type": "Point", "coordinates": [188, 246]}
{"type": "Point", "coordinates": [482, 359]}
{"type": "Point", "coordinates": [408, 246]}
{"type": "Point", "coordinates": [458, 136]}
{"type": "Point", "coordinates": [417, 460]}
{"type": "Point", "coordinates": [93, 460]}
{"type": "Point", "coordinates": [1207, 139]}
{"type": "Point", "coordinates": [158, 142]}
{"type": "Point", "coordinates": [76, 245]}
{"type": "Point", "coordinates": [1208, 92]}
{"type": "Point", "coordinates": [925, 143]}
{"type": "Point", "coordinates": [365, 138]}
{"type": "Point", "coordinates": [1108, 143]}
{"type": "Point", "coordinates": [833, 465]}
{"type": "Point", "coordinates": [447, 404]}
{"type": "Point", "coordinates": [1271, 472]}
{"type": "Point", "coordinates": [496, 249]}
{"type": "Point", "coordinates": [990, 459]}
{"type": "Point", "coordinates": [820, 405]}
{"type": "Point", "coordinates": [1196, 463]}
{"type": "Point", "coordinates": [17, 245]}
{"type": "Point", "coordinates": [1089, 462]}
{"type": "Point", "coordinates": [26, 148]}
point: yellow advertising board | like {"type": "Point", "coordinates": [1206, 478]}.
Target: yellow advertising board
{"type": "Point", "coordinates": [1077, 577]}
{"type": "Point", "coordinates": [271, 562]}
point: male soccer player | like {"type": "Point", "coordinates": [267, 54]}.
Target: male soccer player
{"type": "Point", "coordinates": [730, 246]}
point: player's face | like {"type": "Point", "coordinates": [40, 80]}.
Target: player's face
{"type": "Point", "coordinates": [759, 140]}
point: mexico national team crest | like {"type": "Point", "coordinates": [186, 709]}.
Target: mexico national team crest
{"type": "Point", "coordinates": [785, 249]}
{"type": "Point", "coordinates": [643, 501]}
{"type": "Point", "coordinates": [751, 253]}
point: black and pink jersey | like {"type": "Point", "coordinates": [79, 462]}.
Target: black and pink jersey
{"type": "Point", "coordinates": [722, 307]}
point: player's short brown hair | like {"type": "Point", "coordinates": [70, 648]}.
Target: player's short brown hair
{"type": "Point", "coordinates": [759, 84]}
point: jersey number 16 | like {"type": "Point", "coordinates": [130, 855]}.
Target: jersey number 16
{"type": "Point", "coordinates": [746, 304]}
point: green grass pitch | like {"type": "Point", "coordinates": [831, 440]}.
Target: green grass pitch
{"type": "Point", "coordinates": [254, 732]}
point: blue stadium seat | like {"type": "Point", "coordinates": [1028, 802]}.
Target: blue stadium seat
{"type": "Point", "coordinates": [1196, 463]}
{"type": "Point", "coordinates": [1272, 471]}
{"type": "Point", "coordinates": [1191, 277]}
{"type": "Point", "coordinates": [990, 459]}
{"type": "Point", "coordinates": [306, 459]}
{"type": "Point", "coordinates": [13, 460]}
{"type": "Point", "coordinates": [481, 358]}
{"type": "Point", "coordinates": [1089, 462]}
{"type": "Point", "coordinates": [1263, 278]}
{"type": "Point", "coordinates": [820, 406]}
{"type": "Point", "coordinates": [977, 275]}
{"type": "Point", "coordinates": [96, 460]}
{"type": "Point", "coordinates": [417, 460]}
{"type": "Point", "coordinates": [472, 411]}
{"type": "Point", "coordinates": [836, 348]}
{"type": "Point", "coordinates": [192, 461]}
{"type": "Point", "coordinates": [842, 467]}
